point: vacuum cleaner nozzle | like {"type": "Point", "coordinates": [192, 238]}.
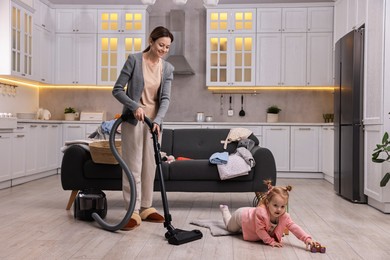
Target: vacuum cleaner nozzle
{"type": "Point", "coordinates": [178, 236]}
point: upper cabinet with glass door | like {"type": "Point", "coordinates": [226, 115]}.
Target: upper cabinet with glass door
{"type": "Point", "coordinates": [122, 21]}
{"type": "Point", "coordinates": [231, 21]}
{"type": "Point", "coordinates": [21, 41]}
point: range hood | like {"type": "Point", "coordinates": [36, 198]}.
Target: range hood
{"type": "Point", "coordinates": [176, 51]}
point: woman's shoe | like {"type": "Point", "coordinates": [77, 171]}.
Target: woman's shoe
{"type": "Point", "coordinates": [151, 215]}
{"type": "Point", "coordinates": [134, 222]}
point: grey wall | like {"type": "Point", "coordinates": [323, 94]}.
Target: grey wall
{"type": "Point", "coordinates": [189, 93]}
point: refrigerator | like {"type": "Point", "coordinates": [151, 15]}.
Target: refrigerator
{"type": "Point", "coordinates": [348, 115]}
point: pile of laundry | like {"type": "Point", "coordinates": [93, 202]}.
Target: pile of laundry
{"type": "Point", "coordinates": [241, 161]}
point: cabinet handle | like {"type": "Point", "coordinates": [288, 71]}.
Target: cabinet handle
{"type": "Point", "coordinates": [42, 79]}
{"type": "Point", "coordinates": [43, 25]}
{"type": "Point", "coordinates": [74, 126]}
{"type": "Point", "coordinates": [304, 128]}
{"type": "Point", "coordinates": [19, 136]}
{"type": "Point", "coordinates": [20, 127]}
{"type": "Point", "coordinates": [23, 74]}
{"type": "Point", "coordinates": [54, 126]}
{"type": "Point", "coordinates": [276, 129]}
{"type": "Point", "coordinates": [44, 126]}
{"type": "Point", "coordinates": [33, 125]}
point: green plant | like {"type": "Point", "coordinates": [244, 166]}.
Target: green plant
{"type": "Point", "coordinates": [273, 109]}
{"type": "Point", "coordinates": [69, 110]}
{"type": "Point", "coordinates": [383, 148]}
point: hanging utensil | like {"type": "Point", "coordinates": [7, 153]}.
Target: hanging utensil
{"type": "Point", "coordinates": [230, 111]}
{"type": "Point", "coordinates": [221, 105]}
{"type": "Point", "coordinates": [242, 112]}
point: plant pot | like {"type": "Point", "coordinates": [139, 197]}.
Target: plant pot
{"type": "Point", "coordinates": [272, 118]}
{"type": "Point", "coordinates": [70, 116]}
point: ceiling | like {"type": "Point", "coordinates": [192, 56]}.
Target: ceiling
{"type": "Point", "coordinates": [137, 2]}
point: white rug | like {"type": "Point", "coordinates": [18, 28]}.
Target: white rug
{"type": "Point", "coordinates": [217, 227]}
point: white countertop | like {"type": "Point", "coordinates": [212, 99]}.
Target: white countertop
{"type": "Point", "coordinates": [182, 123]}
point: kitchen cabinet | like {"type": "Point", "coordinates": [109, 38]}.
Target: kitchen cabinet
{"type": "Point", "coordinates": [349, 15]}
{"type": "Point", "coordinates": [231, 20]}
{"type": "Point", "coordinates": [277, 140]}
{"type": "Point", "coordinates": [123, 21]}
{"type": "Point", "coordinates": [73, 132]}
{"type": "Point", "coordinates": [6, 156]}
{"type": "Point", "coordinates": [304, 149]}
{"type": "Point", "coordinates": [19, 154]}
{"type": "Point", "coordinates": [44, 16]}
{"type": "Point", "coordinates": [327, 153]}
{"type": "Point", "coordinates": [113, 50]}
{"type": "Point", "coordinates": [81, 20]}
{"type": "Point", "coordinates": [292, 19]}
{"type": "Point", "coordinates": [21, 36]}
{"type": "Point", "coordinates": [75, 59]}
{"type": "Point", "coordinates": [320, 19]}
{"type": "Point", "coordinates": [43, 50]}
{"type": "Point", "coordinates": [319, 64]}
{"type": "Point", "coordinates": [281, 59]}
{"type": "Point", "coordinates": [230, 59]}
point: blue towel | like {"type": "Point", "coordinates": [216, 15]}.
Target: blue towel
{"type": "Point", "coordinates": [107, 125]}
{"type": "Point", "coordinates": [219, 158]}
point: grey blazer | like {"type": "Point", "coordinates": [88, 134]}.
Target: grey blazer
{"type": "Point", "coordinates": [131, 74]}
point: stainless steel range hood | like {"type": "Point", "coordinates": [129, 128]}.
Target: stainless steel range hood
{"type": "Point", "coordinates": [176, 53]}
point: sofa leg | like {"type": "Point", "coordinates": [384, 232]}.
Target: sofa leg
{"type": "Point", "coordinates": [71, 199]}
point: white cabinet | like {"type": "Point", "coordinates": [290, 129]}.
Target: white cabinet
{"type": "Point", "coordinates": [230, 59]}
{"type": "Point", "coordinates": [75, 59]}
{"type": "Point", "coordinates": [327, 152]}
{"type": "Point", "coordinates": [123, 21]}
{"type": "Point", "coordinates": [231, 20]}
{"type": "Point", "coordinates": [320, 19]}
{"type": "Point", "coordinates": [44, 15]}
{"type": "Point", "coordinates": [73, 132]}
{"type": "Point", "coordinates": [43, 51]}
{"type": "Point", "coordinates": [19, 154]}
{"type": "Point", "coordinates": [21, 42]}
{"type": "Point", "coordinates": [304, 149]}
{"type": "Point", "coordinates": [113, 50]}
{"type": "Point", "coordinates": [6, 156]}
{"type": "Point", "coordinates": [277, 140]}
{"type": "Point", "coordinates": [319, 59]}
{"type": "Point", "coordinates": [281, 59]}
{"type": "Point", "coordinates": [32, 148]}
{"type": "Point", "coordinates": [76, 20]}
{"type": "Point", "coordinates": [282, 19]}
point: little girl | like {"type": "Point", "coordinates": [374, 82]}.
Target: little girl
{"type": "Point", "coordinates": [267, 221]}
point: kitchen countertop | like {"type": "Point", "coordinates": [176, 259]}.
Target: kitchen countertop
{"type": "Point", "coordinates": [182, 123]}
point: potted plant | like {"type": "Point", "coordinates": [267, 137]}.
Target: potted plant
{"type": "Point", "coordinates": [383, 148]}
{"type": "Point", "coordinates": [70, 113]}
{"type": "Point", "coordinates": [273, 114]}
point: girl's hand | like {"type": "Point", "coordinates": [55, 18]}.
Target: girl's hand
{"type": "Point", "coordinates": [276, 244]}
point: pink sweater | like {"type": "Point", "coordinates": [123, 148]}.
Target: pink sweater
{"type": "Point", "coordinates": [256, 222]}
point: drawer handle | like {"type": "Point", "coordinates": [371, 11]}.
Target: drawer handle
{"type": "Point", "coordinates": [33, 125]}
{"type": "Point", "coordinates": [19, 136]}
{"type": "Point", "coordinates": [44, 126]}
{"type": "Point", "coordinates": [74, 126]}
{"type": "Point", "coordinates": [20, 127]}
{"type": "Point", "coordinates": [278, 129]}
{"type": "Point", "coordinates": [305, 128]}
{"type": "Point", "coordinates": [54, 126]}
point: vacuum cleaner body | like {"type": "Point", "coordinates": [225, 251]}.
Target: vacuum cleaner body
{"type": "Point", "coordinates": [88, 202]}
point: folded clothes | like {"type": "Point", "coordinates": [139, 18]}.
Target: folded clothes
{"type": "Point", "coordinates": [219, 158]}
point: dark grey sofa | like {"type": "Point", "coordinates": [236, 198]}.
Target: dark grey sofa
{"type": "Point", "coordinates": [78, 171]}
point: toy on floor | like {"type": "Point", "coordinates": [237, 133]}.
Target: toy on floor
{"type": "Point", "coordinates": [316, 247]}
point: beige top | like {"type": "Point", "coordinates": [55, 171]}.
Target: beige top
{"type": "Point", "coordinates": [152, 80]}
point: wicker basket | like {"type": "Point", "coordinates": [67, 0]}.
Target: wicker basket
{"type": "Point", "coordinates": [101, 152]}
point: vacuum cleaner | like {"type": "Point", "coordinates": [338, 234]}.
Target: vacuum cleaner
{"type": "Point", "coordinates": [173, 235]}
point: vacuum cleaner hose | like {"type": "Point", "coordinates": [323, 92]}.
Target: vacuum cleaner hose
{"type": "Point", "coordinates": [130, 210]}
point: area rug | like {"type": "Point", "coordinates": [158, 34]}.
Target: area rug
{"type": "Point", "coordinates": [217, 227]}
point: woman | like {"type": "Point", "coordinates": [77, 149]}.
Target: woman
{"type": "Point", "coordinates": [148, 78]}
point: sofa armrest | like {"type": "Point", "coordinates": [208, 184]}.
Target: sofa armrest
{"type": "Point", "coordinates": [72, 167]}
{"type": "Point", "coordinates": [265, 168]}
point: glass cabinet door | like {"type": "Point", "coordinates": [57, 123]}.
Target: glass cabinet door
{"type": "Point", "coordinates": [21, 45]}
{"type": "Point", "coordinates": [217, 62]}
{"type": "Point", "coordinates": [119, 21]}
{"type": "Point", "coordinates": [113, 52]}
{"type": "Point", "coordinates": [243, 60]}
{"type": "Point", "coordinates": [229, 21]}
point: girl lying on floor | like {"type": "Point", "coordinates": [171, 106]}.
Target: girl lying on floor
{"type": "Point", "coordinates": [267, 221]}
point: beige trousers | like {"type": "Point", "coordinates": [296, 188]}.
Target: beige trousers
{"type": "Point", "coordinates": [138, 153]}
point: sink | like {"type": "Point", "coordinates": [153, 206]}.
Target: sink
{"type": "Point", "coordinates": [8, 122]}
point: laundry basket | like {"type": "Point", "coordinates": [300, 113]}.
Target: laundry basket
{"type": "Point", "coordinates": [101, 152]}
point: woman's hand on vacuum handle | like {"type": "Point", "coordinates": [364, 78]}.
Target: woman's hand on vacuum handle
{"type": "Point", "coordinates": [156, 129]}
{"type": "Point", "coordinates": [139, 114]}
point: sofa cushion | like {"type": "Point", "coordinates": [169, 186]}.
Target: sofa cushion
{"type": "Point", "coordinates": [101, 171]}
{"type": "Point", "coordinates": [166, 141]}
{"type": "Point", "coordinates": [199, 170]}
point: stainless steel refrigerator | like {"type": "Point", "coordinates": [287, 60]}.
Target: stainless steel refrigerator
{"type": "Point", "coordinates": [348, 115]}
